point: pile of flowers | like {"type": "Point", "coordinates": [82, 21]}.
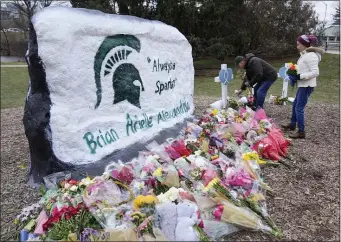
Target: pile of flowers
{"type": "Point", "coordinates": [200, 187]}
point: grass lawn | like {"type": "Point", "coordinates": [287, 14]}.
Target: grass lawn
{"type": "Point", "coordinates": [13, 63]}
{"type": "Point", "coordinates": [327, 91]}
{"type": "Point", "coordinates": [14, 82]}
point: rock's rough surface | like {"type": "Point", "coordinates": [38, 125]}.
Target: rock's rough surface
{"type": "Point", "coordinates": [101, 87]}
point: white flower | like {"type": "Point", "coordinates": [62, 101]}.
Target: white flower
{"type": "Point", "coordinates": [73, 188]}
{"type": "Point", "coordinates": [173, 193]}
{"type": "Point", "coordinates": [156, 157]}
{"type": "Point", "coordinates": [187, 141]}
{"type": "Point", "coordinates": [162, 198]}
{"type": "Point", "coordinates": [200, 161]}
{"type": "Point", "coordinates": [198, 152]}
{"type": "Point", "coordinates": [172, 197]}
{"type": "Point", "coordinates": [106, 175]}
{"type": "Point", "coordinates": [86, 181]}
{"type": "Point", "coordinates": [67, 185]}
{"type": "Point", "coordinates": [150, 159]}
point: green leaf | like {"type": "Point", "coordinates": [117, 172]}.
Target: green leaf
{"type": "Point", "coordinates": [42, 189]}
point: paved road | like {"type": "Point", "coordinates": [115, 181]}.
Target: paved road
{"type": "Point", "coordinates": [11, 58]}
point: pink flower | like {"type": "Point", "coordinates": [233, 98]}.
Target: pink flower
{"type": "Point", "coordinates": [149, 168]}
{"type": "Point", "coordinates": [114, 173]}
{"type": "Point", "coordinates": [201, 224]}
{"type": "Point", "coordinates": [242, 111]}
{"type": "Point", "coordinates": [218, 211]}
{"type": "Point", "coordinates": [125, 175]}
{"type": "Point", "coordinates": [208, 176]}
{"type": "Point", "coordinates": [239, 178]}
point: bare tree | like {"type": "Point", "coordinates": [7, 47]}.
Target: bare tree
{"type": "Point", "coordinates": [29, 7]}
{"type": "Point", "coordinates": [4, 40]}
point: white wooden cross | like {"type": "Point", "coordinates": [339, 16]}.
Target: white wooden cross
{"type": "Point", "coordinates": [224, 88]}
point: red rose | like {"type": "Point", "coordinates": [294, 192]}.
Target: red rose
{"type": "Point", "coordinates": [73, 182]}
{"type": "Point", "coordinates": [73, 211]}
{"type": "Point", "coordinates": [55, 211]}
{"type": "Point", "coordinates": [81, 205]}
{"type": "Point", "coordinates": [55, 220]}
{"type": "Point", "coordinates": [67, 216]}
{"type": "Point", "coordinates": [49, 222]}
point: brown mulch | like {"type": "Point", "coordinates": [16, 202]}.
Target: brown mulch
{"type": "Point", "coordinates": [305, 205]}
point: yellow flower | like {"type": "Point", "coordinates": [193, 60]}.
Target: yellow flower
{"type": "Point", "coordinates": [138, 202]}
{"type": "Point", "coordinates": [158, 172]}
{"type": "Point", "coordinates": [253, 156]}
{"type": "Point", "coordinates": [257, 197]}
{"type": "Point", "coordinates": [214, 157]}
{"type": "Point", "coordinates": [238, 120]}
{"type": "Point", "coordinates": [215, 111]}
{"type": "Point", "coordinates": [149, 199]}
{"type": "Point", "coordinates": [141, 200]}
{"type": "Point", "coordinates": [211, 184]}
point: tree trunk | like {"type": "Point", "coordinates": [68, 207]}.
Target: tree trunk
{"type": "Point", "coordinates": [7, 42]}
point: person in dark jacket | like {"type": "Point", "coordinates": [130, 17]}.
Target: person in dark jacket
{"type": "Point", "coordinates": [259, 74]}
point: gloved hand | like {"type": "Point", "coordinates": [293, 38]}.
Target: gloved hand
{"type": "Point", "coordinates": [294, 77]}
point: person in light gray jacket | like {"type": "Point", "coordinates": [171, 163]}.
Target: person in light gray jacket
{"type": "Point", "coordinates": [308, 70]}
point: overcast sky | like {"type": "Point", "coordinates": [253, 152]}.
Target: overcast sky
{"type": "Point", "coordinates": [322, 6]}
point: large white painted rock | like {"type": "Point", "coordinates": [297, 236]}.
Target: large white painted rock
{"type": "Point", "coordinates": [101, 86]}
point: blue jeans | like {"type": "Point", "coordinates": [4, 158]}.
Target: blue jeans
{"type": "Point", "coordinates": [260, 91]}
{"type": "Point", "coordinates": [298, 106]}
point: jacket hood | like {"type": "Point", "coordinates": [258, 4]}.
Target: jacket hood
{"type": "Point", "coordinates": [248, 57]}
{"type": "Point", "coordinates": [316, 50]}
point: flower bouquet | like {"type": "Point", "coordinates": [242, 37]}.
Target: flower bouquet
{"type": "Point", "coordinates": [293, 73]}
{"type": "Point", "coordinates": [292, 69]}
{"type": "Point", "coordinates": [241, 216]}
{"type": "Point", "coordinates": [143, 219]}
{"type": "Point", "coordinates": [254, 202]}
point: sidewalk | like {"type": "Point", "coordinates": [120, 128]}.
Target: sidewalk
{"type": "Point", "coordinates": [337, 52]}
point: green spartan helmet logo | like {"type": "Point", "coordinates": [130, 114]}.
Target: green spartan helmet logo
{"type": "Point", "coordinates": [125, 76]}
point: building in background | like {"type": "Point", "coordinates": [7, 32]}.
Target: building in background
{"type": "Point", "coordinates": [331, 37]}
{"type": "Point", "coordinates": [9, 11]}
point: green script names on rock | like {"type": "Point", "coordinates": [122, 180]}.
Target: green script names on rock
{"type": "Point", "coordinates": [133, 125]}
